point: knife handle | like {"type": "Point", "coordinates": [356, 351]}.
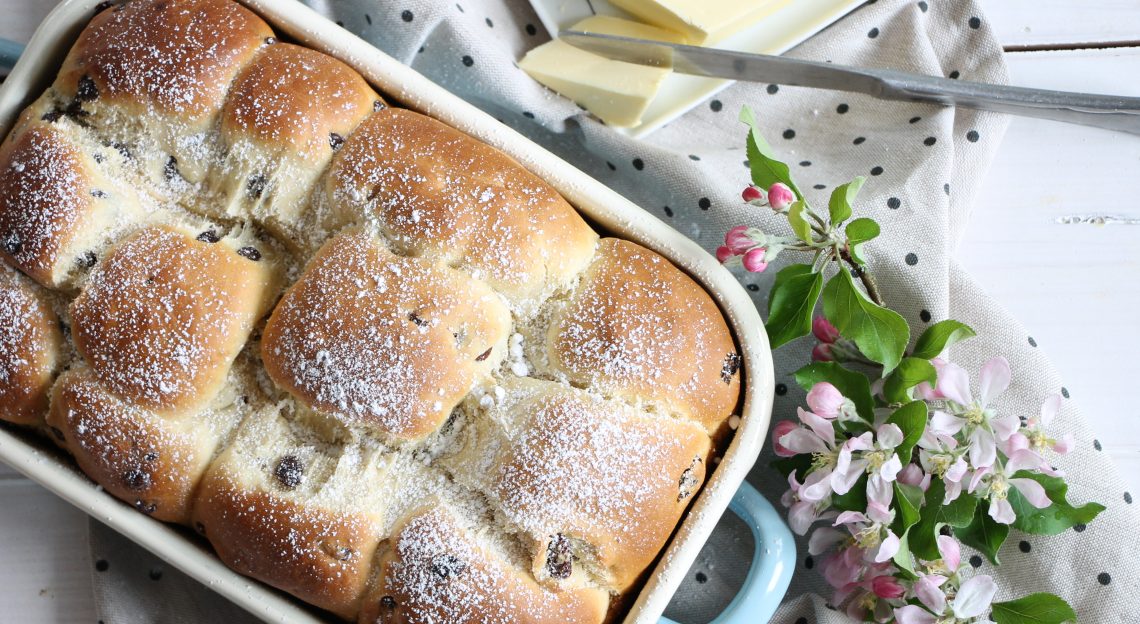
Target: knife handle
{"type": "Point", "coordinates": [1101, 111]}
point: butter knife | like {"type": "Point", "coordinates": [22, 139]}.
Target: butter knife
{"type": "Point", "coordinates": [1102, 111]}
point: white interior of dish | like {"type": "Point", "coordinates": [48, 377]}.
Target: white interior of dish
{"type": "Point", "coordinates": [36, 459]}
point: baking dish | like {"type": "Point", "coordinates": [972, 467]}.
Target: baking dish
{"type": "Point", "coordinates": [772, 563]}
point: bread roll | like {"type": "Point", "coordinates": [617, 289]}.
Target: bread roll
{"type": "Point", "coordinates": [438, 567]}
{"type": "Point", "coordinates": [595, 486]}
{"type": "Point", "coordinates": [287, 114]}
{"type": "Point", "coordinates": [434, 191]}
{"type": "Point", "coordinates": [376, 338]}
{"type": "Point", "coordinates": [165, 315]}
{"type": "Point", "coordinates": [153, 75]}
{"type": "Point", "coordinates": [149, 461]}
{"type": "Point", "coordinates": [30, 345]}
{"type": "Point", "coordinates": [639, 329]}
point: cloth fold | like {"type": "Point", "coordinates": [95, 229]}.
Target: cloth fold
{"type": "Point", "coordinates": [924, 167]}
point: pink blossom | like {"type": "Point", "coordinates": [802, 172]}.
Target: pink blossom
{"type": "Point", "coordinates": [781, 429]}
{"type": "Point", "coordinates": [822, 353]}
{"type": "Point", "coordinates": [738, 241]}
{"type": "Point", "coordinates": [876, 458]}
{"type": "Point", "coordinates": [823, 330]}
{"type": "Point", "coordinates": [801, 513]}
{"type": "Point", "coordinates": [780, 196]}
{"type": "Point", "coordinates": [994, 485]}
{"type": "Point", "coordinates": [754, 260]}
{"type": "Point", "coordinates": [971, 600]}
{"type": "Point", "coordinates": [984, 428]}
{"type": "Point", "coordinates": [826, 400]}
{"type": "Point", "coordinates": [887, 587]}
{"type": "Point", "coordinates": [953, 383]}
{"type": "Point", "coordinates": [724, 254]}
{"type": "Point", "coordinates": [1035, 435]}
{"type": "Point", "coordinates": [754, 195]}
{"type": "Point", "coordinates": [913, 475]}
{"type": "Point", "coordinates": [872, 532]}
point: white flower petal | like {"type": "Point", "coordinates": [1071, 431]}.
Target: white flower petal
{"type": "Point", "coordinates": [1050, 408]}
{"type": "Point", "coordinates": [994, 379]}
{"type": "Point", "coordinates": [821, 426]}
{"type": "Point", "coordinates": [974, 597]}
{"type": "Point", "coordinates": [1024, 459]}
{"type": "Point", "coordinates": [801, 516]}
{"type": "Point", "coordinates": [890, 469]}
{"type": "Point", "coordinates": [823, 538]}
{"type": "Point", "coordinates": [954, 384]}
{"type": "Point", "coordinates": [890, 436]}
{"type": "Point", "coordinates": [951, 552]}
{"type": "Point", "coordinates": [926, 589]}
{"type": "Point", "coordinates": [803, 441]}
{"type": "Point", "coordinates": [842, 482]}
{"type": "Point", "coordinates": [912, 614]}
{"type": "Point", "coordinates": [1005, 426]}
{"type": "Point", "coordinates": [1002, 512]}
{"type": "Point", "coordinates": [945, 423]}
{"type": "Point", "coordinates": [851, 517]}
{"type": "Point", "coordinates": [1032, 491]}
{"type": "Point", "coordinates": [888, 548]}
{"type": "Point", "coordinates": [817, 486]}
{"type": "Point", "coordinates": [983, 448]}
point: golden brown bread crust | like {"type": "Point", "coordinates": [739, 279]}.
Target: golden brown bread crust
{"type": "Point", "coordinates": [143, 459]}
{"type": "Point", "coordinates": [30, 343]}
{"type": "Point", "coordinates": [48, 198]}
{"type": "Point", "coordinates": [300, 513]}
{"type": "Point", "coordinates": [164, 316]}
{"type": "Point", "coordinates": [437, 192]}
{"type": "Point", "coordinates": [174, 58]}
{"type": "Point", "coordinates": [385, 340]}
{"type": "Point", "coordinates": [436, 570]}
{"type": "Point", "coordinates": [296, 102]}
{"type": "Point", "coordinates": [595, 484]}
{"type": "Point", "coordinates": [640, 329]}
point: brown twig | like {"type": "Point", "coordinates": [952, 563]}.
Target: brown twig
{"type": "Point", "coordinates": [865, 277]}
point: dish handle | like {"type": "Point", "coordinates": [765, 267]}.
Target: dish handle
{"type": "Point", "coordinates": [773, 561]}
{"type": "Point", "coordinates": [9, 52]}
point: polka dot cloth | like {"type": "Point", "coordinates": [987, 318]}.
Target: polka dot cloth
{"type": "Point", "coordinates": [689, 174]}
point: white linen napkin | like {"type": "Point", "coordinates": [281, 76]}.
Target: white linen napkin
{"type": "Point", "coordinates": [924, 166]}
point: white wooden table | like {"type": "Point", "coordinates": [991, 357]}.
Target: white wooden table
{"type": "Point", "coordinates": [1076, 287]}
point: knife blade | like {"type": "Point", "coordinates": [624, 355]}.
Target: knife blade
{"type": "Point", "coordinates": [1102, 111]}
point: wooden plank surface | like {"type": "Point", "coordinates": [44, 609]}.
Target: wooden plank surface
{"type": "Point", "coordinates": [1063, 23]}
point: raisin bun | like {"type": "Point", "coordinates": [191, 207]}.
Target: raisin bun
{"type": "Point", "coordinates": [374, 362]}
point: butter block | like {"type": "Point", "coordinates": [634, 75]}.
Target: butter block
{"type": "Point", "coordinates": [702, 22]}
{"type": "Point", "coordinates": [618, 93]}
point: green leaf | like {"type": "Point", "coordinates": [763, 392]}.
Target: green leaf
{"type": "Point", "coordinates": [861, 230]}
{"type": "Point", "coordinates": [842, 197]}
{"type": "Point", "coordinates": [850, 384]}
{"type": "Point", "coordinates": [959, 513]}
{"type": "Point", "coordinates": [910, 372]}
{"type": "Point", "coordinates": [984, 534]}
{"type": "Point", "coordinates": [881, 334]}
{"type": "Point", "coordinates": [904, 559]}
{"type": "Point", "coordinates": [1055, 518]}
{"type": "Point", "coordinates": [766, 168]}
{"type": "Point", "coordinates": [911, 418]}
{"type": "Point", "coordinates": [855, 499]}
{"type": "Point", "coordinates": [791, 303]}
{"type": "Point", "coordinates": [799, 224]}
{"type": "Point", "coordinates": [800, 464]}
{"type": "Point", "coordinates": [1034, 609]}
{"type": "Point", "coordinates": [940, 335]}
{"type": "Point", "coordinates": [908, 500]}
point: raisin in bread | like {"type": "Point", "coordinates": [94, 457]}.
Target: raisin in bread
{"type": "Point", "coordinates": [374, 362]}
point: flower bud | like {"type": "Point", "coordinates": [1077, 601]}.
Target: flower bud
{"type": "Point", "coordinates": [911, 474]}
{"type": "Point", "coordinates": [724, 254]}
{"type": "Point", "coordinates": [825, 400]}
{"type": "Point", "coordinates": [737, 240]}
{"type": "Point", "coordinates": [823, 330]}
{"type": "Point", "coordinates": [754, 195]}
{"type": "Point", "coordinates": [781, 429]}
{"type": "Point", "coordinates": [780, 196]}
{"type": "Point", "coordinates": [822, 353]}
{"type": "Point", "coordinates": [887, 587]}
{"type": "Point", "coordinates": [754, 260]}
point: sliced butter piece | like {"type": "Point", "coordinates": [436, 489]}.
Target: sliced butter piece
{"type": "Point", "coordinates": [618, 93]}
{"type": "Point", "coordinates": [702, 22]}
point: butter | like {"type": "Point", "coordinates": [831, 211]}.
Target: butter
{"type": "Point", "coordinates": [702, 22]}
{"type": "Point", "coordinates": [617, 93]}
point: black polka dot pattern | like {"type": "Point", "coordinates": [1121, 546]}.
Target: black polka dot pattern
{"type": "Point", "coordinates": [1103, 578]}
{"type": "Point", "coordinates": [925, 316]}
{"type": "Point", "coordinates": [922, 6]}
{"type": "Point", "coordinates": [773, 89]}
{"type": "Point", "coordinates": [407, 16]}
{"type": "Point", "coordinates": [973, 136]}
{"type": "Point", "coordinates": [704, 203]}
{"type": "Point", "coordinates": [1079, 527]}
{"type": "Point", "coordinates": [894, 203]}
{"type": "Point", "coordinates": [1032, 342]}
{"type": "Point", "coordinates": [859, 140]}
{"type": "Point", "coordinates": [638, 164]}
{"type": "Point", "coordinates": [716, 106]}
{"type": "Point", "coordinates": [929, 141]}
{"type": "Point", "coordinates": [789, 134]}
{"type": "Point", "coordinates": [954, 75]}
{"type": "Point", "coordinates": [975, 23]}
{"type": "Point", "coordinates": [1025, 546]}
{"type": "Point", "coordinates": [531, 30]}
{"type": "Point", "coordinates": [876, 170]}
{"type": "Point", "coordinates": [914, 120]}
{"type": "Point", "coordinates": [976, 561]}
{"type": "Point", "coordinates": [490, 24]}
{"type": "Point", "coordinates": [156, 574]}
{"type": "Point", "coordinates": [102, 565]}
{"type": "Point", "coordinates": [668, 211]}
{"type": "Point", "coordinates": [842, 109]}
{"type": "Point", "coordinates": [1064, 392]}
{"type": "Point", "coordinates": [781, 389]}
{"type": "Point", "coordinates": [809, 563]}
{"type": "Point", "coordinates": [912, 259]}
{"type": "Point", "coordinates": [467, 60]}
{"type": "Point", "coordinates": [873, 33]}
{"type": "Point", "coordinates": [1128, 498]}
{"type": "Point", "coordinates": [1097, 445]}
{"type": "Point", "coordinates": [701, 577]}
